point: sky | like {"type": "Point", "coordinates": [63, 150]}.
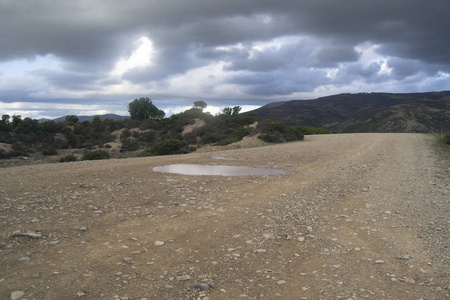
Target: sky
{"type": "Point", "coordinates": [62, 57]}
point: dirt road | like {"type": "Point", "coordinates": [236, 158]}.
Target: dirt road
{"type": "Point", "coordinates": [360, 216]}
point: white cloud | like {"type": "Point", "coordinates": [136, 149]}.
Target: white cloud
{"type": "Point", "coordinates": [141, 57]}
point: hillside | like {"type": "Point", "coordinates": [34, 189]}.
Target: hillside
{"type": "Point", "coordinates": [421, 116]}
{"type": "Point", "coordinates": [413, 112]}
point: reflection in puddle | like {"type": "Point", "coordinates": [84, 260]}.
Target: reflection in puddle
{"type": "Point", "coordinates": [223, 158]}
{"type": "Point", "coordinates": [185, 169]}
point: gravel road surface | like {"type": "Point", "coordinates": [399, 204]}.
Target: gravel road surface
{"type": "Point", "coordinates": [358, 216]}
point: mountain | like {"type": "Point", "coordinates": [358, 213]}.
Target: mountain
{"type": "Point", "coordinates": [114, 117]}
{"type": "Point", "coordinates": [366, 112]}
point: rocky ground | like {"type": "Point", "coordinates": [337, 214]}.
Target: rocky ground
{"type": "Point", "coordinates": [359, 216]}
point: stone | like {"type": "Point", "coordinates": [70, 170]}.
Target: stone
{"type": "Point", "coordinates": [25, 258]}
{"type": "Point", "coordinates": [201, 286]}
{"type": "Point", "coordinates": [281, 282]}
{"type": "Point", "coordinates": [159, 243]}
{"type": "Point", "coordinates": [379, 262]}
{"type": "Point", "coordinates": [183, 277]}
{"type": "Point", "coordinates": [17, 295]}
{"type": "Point", "coordinates": [27, 234]}
{"type": "Point", "coordinates": [260, 251]}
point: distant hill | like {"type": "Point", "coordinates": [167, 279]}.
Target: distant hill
{"type": "Point", "coordinates": [366, 112]}
{"type": "Point", "coordinates": [114, 117]}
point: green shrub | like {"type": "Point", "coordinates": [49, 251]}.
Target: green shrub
{"type": "Point", "coordinates": [129, 144]}
{"type": "Point", "coordinates": [167, 147]}
{"type": "Point", "coordinates": [95, 155]}
{"type": "Point", "coordinates": [4, 154]}
{"type": "Point", "coordinates": [68, 158]}
{"type": "Point", "coordinates": [49, 151]}
{"type": "Point", "coordinates": [276, 132]}
{"type": "Point", "coordinates": [447, 139]}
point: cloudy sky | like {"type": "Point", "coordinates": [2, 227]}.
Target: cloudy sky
{"type": "Point", "coordinates": [60, 57]}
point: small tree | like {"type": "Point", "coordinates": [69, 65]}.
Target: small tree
{"type": "Point", "coordinates": [96, 120]}
{"type": "Point", "coordinates": [200, 105]}
{"type": "Point", "coordinates": [227, 111]}
{"type": "Point", "coordinates": [71, 119]}
{"type": "Point", "coordinates": [143, 108]}
{"type": "Point", "coordinates": [231, 110]}
{"type": "Point", "coordinates": [236, 110]}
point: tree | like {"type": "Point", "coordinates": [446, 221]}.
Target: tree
{"type": "Point", "coordinates": [96, 120]}
{"type": "Point", "coordinates": [227, 111]}
{"type": "Point", "coordinates": [4, 124]}
{"type": "Point", "coordinates": [71, 119]}
{"type": "Point", "coordinates": [236, 110]}
{"type": "Point", "coordinates": [200, 105]}
{"type": "Point", "coordinates": [231, 110]}
{"type": "Point", "coordinates": [143, 108]}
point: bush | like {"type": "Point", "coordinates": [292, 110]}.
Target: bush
{"type": "Point", "coordinates": [129, 144]}
{"type": "Point", "coordinates": [276, 132]}
{"type": "Point", "coordinates": [4, 154]}
{"type": "Point", "coordinates": [95, 155]}
{"type": "Point", "coordinates": [68, 158]}
{"type": "Point", "coordinates": [49, 151]}
{"type": "Point", "coordinates": [168, 147]}
{"type": "Point", "coordinates": [447, 139]}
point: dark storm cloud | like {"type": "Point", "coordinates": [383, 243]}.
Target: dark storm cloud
{"type": "Point", "coordinates": [267, 48]}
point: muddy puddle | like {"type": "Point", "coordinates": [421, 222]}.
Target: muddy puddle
{"type": "Point", "coordinates": [217, 170]}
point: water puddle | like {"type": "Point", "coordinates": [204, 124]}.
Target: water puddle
{"type": "Point", "coordinates": [223, 158]}
{"type": "Point", "coordinates": [185, 169]}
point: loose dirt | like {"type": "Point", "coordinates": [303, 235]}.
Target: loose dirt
{"type": "Point", "coordinates": [360, 216]}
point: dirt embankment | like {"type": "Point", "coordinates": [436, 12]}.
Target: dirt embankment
{"type": "Point", "coordinates": [359, 216]}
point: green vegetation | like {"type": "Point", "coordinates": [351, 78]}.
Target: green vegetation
{"type": "Point", "coordinates": [95, 155]}
{"type": "Point", "coordinates": [143, 108]}
{"type": "Point", "coordinates": [147, 133]}
{"type": "Point", "coordinates": [446, 139]}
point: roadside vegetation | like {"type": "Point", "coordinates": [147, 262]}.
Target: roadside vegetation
{"type": "Point", "coordinates": [146, 133]}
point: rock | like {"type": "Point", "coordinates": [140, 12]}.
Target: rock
{"type": "Point", "coordinates": [81, 294]}
{"type": "Point", "coordinates": [28, 234]}
{"type": "Point", "coordinates": [260, 251]}
{"type": "Point", "coordinates": [83, 228]}
{"type": "Point", "coordinates": [379, 262]}
{"type": "Point", "coordinates": [281, 282]}
{"type": "Point", "coordinates": [25, 258]}
{"type": "Point", "coordinates": [128, 259]}
{"type": "Point", "coordinates": [97, 212]}
{"type": "Point", "coordinates": [183, 277]}
{"type": "Point", "coordinates": [17, 295]}
{"type": "Point", "coordinates": [159, 243]}
{"type": "Point", "coordinates": [201, 286]}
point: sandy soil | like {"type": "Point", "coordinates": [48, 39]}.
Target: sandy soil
{"type": "Point", "coordinates": [360, 216]}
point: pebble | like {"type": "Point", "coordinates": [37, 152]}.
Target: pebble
{"type": "Point", "coordinates": [159, 243]}
{"type": "Point", "coordinates": [281, 282]}
{"type": "Point", "coordinates": [25, 258]}
{"type": "Point", "coordinates": [379, 262]}
{"type": "Point", "coordinates": [201, 286]}
{"type": "Point", "coordinates": [260, 251]}
{"type": "Point", "coordinates": [183, 277]}
{"type": "Point", "coordinates": [28, 234]}
{"type": "Point", "coordinates": [17, 295]}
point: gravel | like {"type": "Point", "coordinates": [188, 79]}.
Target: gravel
{"type": "Point", "coordinates": [358, 216]}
